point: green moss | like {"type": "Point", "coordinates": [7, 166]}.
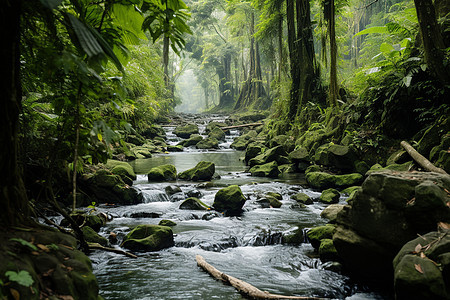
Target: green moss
{"type": "Point", "coordinates": [302, 198]}
{"type": "Point", "coordinates": [194, 204]}
{"type": "Point", "coordinates": [148, 238]}
{"type": "Point", "coordinates": [162, 173]}
{"type": "Point", "coordinates": [93, 237]}
{"type": "Point", "coordinates": [229, 200]}
{"type": "Point", "coordinates": [329, 196]}
{"type": "Point", "coordinates": [168, 223]}
{"type": "Point", "coordinates": [203, 171]}
{"type": "Point", "coordinates": [266, 170]}
{"type": "Point", "coordinates": [317, 234]}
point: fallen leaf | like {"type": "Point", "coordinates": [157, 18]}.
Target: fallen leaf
{"type": "Point", "coordinates": [65, 297]}
{"type": "Point", "coordinates": [418, 268]}
{"type": "Point", "coordinates": [422, 255]}
{"type": "Point", "coordinates": [43, 247]}
{"type": "Point", "coordinates": [418, 248]}
{"type": "Point", "coordinates": [14, 293]}
{"type": "Point", "coordinates": [443, 225]}
{"type": "Point", "coordinates": [34, 252]}
{"type": "Point", "coordinates": [48, 273]}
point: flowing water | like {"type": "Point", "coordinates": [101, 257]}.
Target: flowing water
{"type": "Point", "coordinates": [247, 247]}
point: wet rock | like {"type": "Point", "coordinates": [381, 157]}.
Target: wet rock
{"type": "Point", "coordinates": [331, 212]}
{"type": "Point", "coordinates": [143, 214]}
{"type": "Point", "coordinates": [194, 193]}
{"type": "Point", "coordinates": [185, 131]}
{"type": "Point", "coordinates": [229, 200]}
{"type": "Point", "coordinates": [94, 221]}
{"type": "Point", "coordinates": [327, 251]}
{"type": "Point", "coordinates": [210, 215]}
{"type": "Point", "coordinates": [266, 170]}
{"type": "Point", "coordinates": [275, 195]}
{"type": "Point", "coordinates": [203, 171]}
{"type": "Point", "coordinates": [176, 148]}
{"type": "Point", "coordinates": [148, 238]}
{"type": "Point", "coordinates": [241, 142]}
{"type": "Point", "coordinates": [208, 143]}
{"type": "Point", "coordinates": [421, 268]}
{"type": "Point", "coordinates": [172, 189]}
{"type": "Point", "coordinates": [299, 155]}
{"type": "Point", "coordinates": [154, 131]}
{"type": "Point", "coordinates": [285, 141]}
{"type": "Point", "coordinates": [385, 214]}
{"type": "Point", "coordinates": [295, 238]}
{"type": "Point", "coordinates": [217, 133]}
{"type": "Point", "coordinates": [253, 150]}
{"type": "Point", "coordinates": [212, 125]}
{"type": "Point", "coordinates": [91, 236]}
{"type": "Point", "coordinates": [277, 154]}
{"type": "Point", "coordinates": [302, 198]}
{"type": "Point", "coordinates": [168, 223]}
{"type": "Point", "coordinates": [338, 156]}
{"type": "Point", "coordinates": [191, 141]}
{"type": "Point", "coordinates": [273, 202]}
{"type": "Point", "coordinates": [193, 204]}
{"type": "Point", "coordinates": [121, 168]}
{"type": "Point", "coordinates": [317, 234]}
{"type": "Point", "coordinates": [162, 173]}
{"type": "Point", "coordinates": [135, 139]}
{"type": "Point", "coordinates": [141, 152]}
{"type": "Point", "coordinates": [322, 180]}
{"type": "Point", "coordinates": [330, 196]}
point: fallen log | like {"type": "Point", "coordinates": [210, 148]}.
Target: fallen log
{"type": "Point", "coordinates": [97, 246]}
{"type": "Point", "coordinates": [241, 126]}
{"type": "Point", "coordinates": [421, 160]}
{"type": "Point", "coordinates": [242, 286]}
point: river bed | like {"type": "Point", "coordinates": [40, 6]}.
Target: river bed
{"type": "Point", "coordinates": [248, 246]}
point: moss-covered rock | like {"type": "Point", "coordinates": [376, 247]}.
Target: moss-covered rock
{"type": "Point", "coordinates": [302, 198]}
{"type": "Point", "coordinates": [168, 223]}
{"type": "Point", "coordinates": [217, 133]}
{"type": "Point", "coordinates": [422, 274]}
{"type": "Point", "coordinates": [295, 238]}
{"type": "Point", "coordinates": [329, 196]}
{"type": "Point", "coordinates": [277, 154]}
{"type": "Point", "coordinates": [241, 142]}
{"type": "Point", "coordinates": [91, 236]}
{"type": "Point", "coordinates": [203, 171]}
{"type": "Point", "coordinates": [274, 202]}
{"type": "Point", "coordinates": [193, 203]}
{"type": "Point", "coordinates": [327, 251]}
{"type": "Point", "coordinates": [275, 195]}
{"type": "Point", "coordinates": [148, 238]}
{"type": "Point", "coordinates": [338, 156]}
{"type": "Point", "coordinates": [191, 141]}
{"type": "Point", "coordinates": [162, 173]}
{"type": "Point", "coordinates": [229, 200]}
{"type": "Point", "coordinates": [212, 125]}
{"type": "Point", "coordinates": [253, 150]}
{"type": "Point", "coordinates": [317, 234]}
{"type": "Point", "coordinates": [266, 170]}
{"type": "Point", "coordinates": [121, 168]}
{"type": "Point", "coordinates": [208, 143]}
{"type": "Point", "coordinates": [282, 140]}
{"type": "Point", "coordinates": [185, 131]}
{"type": "Point", "coordinates": [322, 180]}
{"type": "Point", "coordinates": [299, 155]}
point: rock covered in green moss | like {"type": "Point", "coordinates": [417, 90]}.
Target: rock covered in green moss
{"type": "Point", "coordinates": [322, 180]}
{"type": "Point", "coordinates": [333, 155]}
{"type": "Point", "coordinates": [277, 154]}
{"type": "Point", "coordinates": [167, 223]}
{"type": "Point", "coordinates": [295, 238]}
{"type": "Point", "coordinates": [162, 173]}
{"type": "Point", "coordinates": [217, 133]}
{"type": "Point", "coordinates": [174, 148]}
{"type": "Point", "coordinates": [185, 131]}
{"type": "Point", "coordinates": [331, 212]}
{"type": "Point", "coordinates": [148, 238]}
{"type": "Point", "coordinates": [121, 168]}
{"type": "Point", "coordinates": [203, 171]}
{"type": "Point", "coordinates": [267, 170]}
{"type": "Point", "coordinates": [327, 251]}
{"type": "Point", "coordinates": [330, 196]}
{"type": "Point", "coordinates": [193, 203]}
{"type": "Point", "coordinates": [302, 198]}
{"type": "Point", "coordinates": [253, 150]}
{"type": "Point", "coordinates": [208, 143]}
{"type": "Point", "coordinates": [91, 236]}
{"type": "Point", "coordinates": [422, 272]}
{"type": "Point", "coordinates": [191, 141]}
{"type": "Point", "coordinates": [317, 234]}
{"type": "Point", "coordinates": [229, 200]}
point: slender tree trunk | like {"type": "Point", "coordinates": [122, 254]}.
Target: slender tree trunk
{"type": "Point", "coordinates": [433, 43]}
{"type": "Point", "coordinates": [166, 60]}
{"type": "Point", "coordinates": [294, 60]}
{"type": "Point", "coordinates": [13, 199]}
{"type": "Point", "coordinates": [333, 92]}
{"type": "Point", "coordinates": [280, 47]}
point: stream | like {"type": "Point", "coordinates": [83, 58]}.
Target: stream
{"type": "Point", "coordinates": [247, 247]}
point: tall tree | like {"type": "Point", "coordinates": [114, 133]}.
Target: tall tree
{"type": "Point", "coordinates": [329, 13]}
{"type": "Point", "coordinates": [13, 199]}
{"type": "Point", "coordinates": [433, 43]}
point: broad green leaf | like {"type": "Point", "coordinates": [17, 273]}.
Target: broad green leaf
{"type": "Point", "coordinates": [25, 243]}
{"type": "Point", "coordinates": [87, 40]}
{"type": "Point", "coordinates": [51, 4]}
{"type": "Point", "coordinates": [375, 29]}
{"type": "Point", "coordinates": [23, 277]}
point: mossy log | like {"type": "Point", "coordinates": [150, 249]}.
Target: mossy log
{"type": "Point", "coordinates": [242, 286]}
{"type": "Point", "coordinates": [241, 126]}
{"type": "Point", "coordinates": [96, 246]}
{"type": "Point", "coordinates": [422, 161]}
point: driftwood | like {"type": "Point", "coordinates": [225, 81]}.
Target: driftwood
{"type": "Point", "coordinates": [242, 286]}
{"type": "Point", "coordinates": [422, 161]}
{"type": "Point", "coordinates": [241, 126]}
{"type": "Point", "coordinates": [97, 246]}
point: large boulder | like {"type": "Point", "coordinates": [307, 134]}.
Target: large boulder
{"type": "Point", "coordinates": [148, 238]}
{"type": "Point", "coordinates": [302, 198]}
{"type": "Point", "coordinates": [191, 141]}
{"type": "Point", "coordinates": [331, 212]}
{"type": "Point", "coordinates": [422, 268]}
{"type": "Point", "coordinates": [91, 236]}
{"type": "Point", "coordinates": [212, 125]}
{"type": "Point", "coordinates": [121, 168]}
{"type": "Point", "coordinates": [322, 180]}
{"type": "Point", "coordinates": [208, 143]}
{"type": "Point", "coordinates": [277, 154]}
{"type": "Point", "coordinates": [162, 173]}
{"type": "Point", "coordinates": [229, 200]}
{"type": "Point", "coordinates": [217, 133]}
{"type": "Point", "coordinates": [267, 170]}
{"type": "Point", "coordinates": [330, 196]}
{"type": "Point", "coordinates": [300, 157]}
{"type": "Point", "coordinates": [317, 234]}
{"type": "Point", "coordinates": [253, 150]}
{"type": "Point", "coordinates": [390, 209]}
{"type": "Point", "coordinates": [337, 156]}
{"type": "Point", "coordinates": [203, 171]}
{"type": "Point", "coordinates": [193, 203]}
{"type": "Point", "coordinates": [241, 142]}
{"type": "Point", "coordinates": [185, 131]}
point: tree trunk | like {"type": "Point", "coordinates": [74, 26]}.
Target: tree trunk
{"type": "Point", "coordinates": [294, 60]}
{"type": "Point", "coordinates": [166, 42]}
{"type": "Point", "coordinates": [422, 161]}
{"type": "Point", "coordinates": [13, 199]}
{"type": "Point", "coordinates": [433, 43]}
{"type": "Point", "coordinates": [280, 47]}
{"type": "Point", "coordinates": [333, 92]}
